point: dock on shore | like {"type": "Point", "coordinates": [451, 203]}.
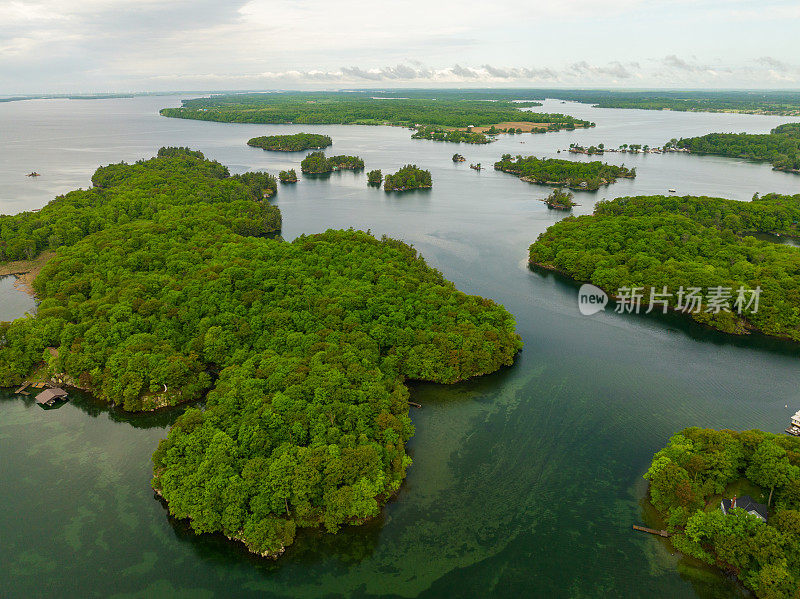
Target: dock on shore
{"type": "Point", "coordinates": [652, 531]}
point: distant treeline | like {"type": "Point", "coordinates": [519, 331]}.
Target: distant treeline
{"type": "Point", "coordinates": [291, 143]}
{"type": "Point", "coordinates": [552, 171]}
{"type": "Point", "coordinates": [361, 109]}
{"type": "Point", "coordinates": [780, 147]}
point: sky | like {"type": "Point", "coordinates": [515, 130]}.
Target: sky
{"type": "Point", "coordinates": [69, 46]}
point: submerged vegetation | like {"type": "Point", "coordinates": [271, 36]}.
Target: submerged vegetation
{"type": "Point", "coordinates": [291, 143]}
{"type": "Point", "coordinates": [657, 242]}
{"type": "Point", "coordinates": [552, 171]}
{"type": "Point", "coordinates": [407, 178]}
{"type": "Point", "coordinates": [317, 163]}
{"type": "Point", "coordinates": [780, 147]}
{"type": "Point", "coordinates": [700, 467]}
{"type": "Point", "coordinates": [303, 348]}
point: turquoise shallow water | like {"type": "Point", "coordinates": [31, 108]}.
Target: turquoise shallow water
{"type": "Point", "coordinates": [524, 483]}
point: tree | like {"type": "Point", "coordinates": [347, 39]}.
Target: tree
{"type": "Point", "coordinates": [770, 467]}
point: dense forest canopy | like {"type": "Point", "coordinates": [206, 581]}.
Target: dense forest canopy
{"type": "Point", "coordinates": [652, 242]}
{"type": "Point", "coordinates": [572, 174]}
{"type": "Point", "coordinates": [303, 348]}
{"type": "Point", "coordinates": [407, 178]}
{"type": "Point", "coordinates": [289, 176]}
{"type": "Point", "coordinates": [700, 467]}
{"type": "Point", "coordinates": [122, 193]}
{"type": "Point", "coordinates": [291, 143]}
{"type": "Point", "coordinates": [359, 108]}
{"type": "Point", "coordinates": [780, 147]}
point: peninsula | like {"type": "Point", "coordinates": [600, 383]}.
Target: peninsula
{"type": "Point", "coordinates": [301, 350]}
{"type": "Point", "coordinates": [732, 499]}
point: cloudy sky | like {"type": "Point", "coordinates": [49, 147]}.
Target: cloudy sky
{"type": "Point", "coordinates": [140, 45]}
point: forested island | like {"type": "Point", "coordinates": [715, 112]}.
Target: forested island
{"type": "Point", "coordinates": [168, 284]}
{"type": "Point", "coordinates": [435, 108]}
{"type": "Point", "coordinates": [317, 163]}
{"type": "Point", "coordinates": [652, 242]}
{"type": "Point", "coordinates": [780, 147]}
{"type": "Point", "coordinates": [553, 171]}
{"type": "Point", "coordinates": [560, 200]}
{"type": "Point", "coordinates": [407, 178]}
{"type": "Point", "coordinates": [375, 178]}
{"type": "Point", "coordinates": [452, 135]}
{"type": "Point", "coordinates": [289, 176]}
{"type": "Point", "coordinates": [291, 143]}
{"type": "Point", "coordinates": [700, 471]}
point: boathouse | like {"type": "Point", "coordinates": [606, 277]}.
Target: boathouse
{"type": "Point", "coordinates": [50, 396]}
{"type": "Point", "coordinates": [745, 502]}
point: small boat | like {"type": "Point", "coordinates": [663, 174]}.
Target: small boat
{"type": "Point", "coordinates": [672, 190]}
{"type": "Point", "coordinates": [33, 174]}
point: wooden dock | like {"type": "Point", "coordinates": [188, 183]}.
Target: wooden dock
{"type": "Point", "coordinates": [652, 531]}
{"type": "Point", "coordinates": [22, 389]}
{"type": "Point", "coordinates": [415, 404]}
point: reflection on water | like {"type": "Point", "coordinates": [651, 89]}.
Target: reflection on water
{"type": "Point", "coordinates": [14, 302]}
{"type": "Point", "coordinates": [524, 483]}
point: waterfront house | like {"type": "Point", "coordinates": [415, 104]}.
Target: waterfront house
{"type": "Point", "coordinates": [745, 502]}
{"type": "Point", "coordinates": [50, 396]}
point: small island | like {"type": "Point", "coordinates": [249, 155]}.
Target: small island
{"type": "Point", "coordinates": [582, 176]}
{"type": "Point", "coordinates": [289, 176]}
{"type": "Point", "coordinates": [732, 499]}
{"type": "Point", "coordinates": [317, 163]}
{"type": "Point", "coordinates": [374, 178]}
{"type": "Point", "coordinates": [458, 158]}
{"type": "Point", "coordinates": [407, 178]}
{"type": "Point", "coordinates": [591, 150]}
{"type": "Point", "coordinates": [453, 135]}
{"type": "Point", "coordinates": [291, 143]}
{"type": "Point", "coordinates": [560, 200]}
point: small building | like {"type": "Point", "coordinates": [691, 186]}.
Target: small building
{"type": "Point", "coordinates": [48, 397]}
{"type": "Point", "coordinates": [745, 502]}
{"type": "Point", "coordinates": [796, 419]}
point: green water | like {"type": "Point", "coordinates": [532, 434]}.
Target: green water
{"type": "Point", "coordinates": [525, 483]}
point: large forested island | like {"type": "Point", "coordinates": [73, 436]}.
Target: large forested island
{"type": "Point", "coordinates": [407, 178]}
{"type": "Point", "coordinates": [317, 163]}
{"type": "Point", "coordinates": [291, 143]}
{"type": "Point", "coordinates": [360, 108]}
{"type": "Point", "coordinates": [780, 147]}
{"type": "Point", "coordinates": [567, 173]}
{"type": "Point", "coordinates": [168, 284]}
{"type": "Point", "coordinates": [702, 470]}
{"type": "Point", "coordinates": [653, 242]}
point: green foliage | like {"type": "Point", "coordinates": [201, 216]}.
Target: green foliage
{"type": "Point", "coordinates": [781, 146]}
{"type": "Point", "coordinates": [552, 171]}
{"type": "Point", "coordinates": [458, 158]}
{"type": "Point", "coordinates": [291, 143]}
{"type": "Point", "coordinates": [407, 178]}
{"type": "Point", "coordinates": [560, 200]}
{"type": "Point", "coordinates": [124, 193]}
{"type": "Point", "coordinates": [289, 176]}
{"type": "Point", "coordinates": [374, 178]}
{"type": "Point", "coordinates": [454, 136]}
{"type": "Point", "coordinates": [433, 108]}
{"type": "Point", "coordinates": [303, 349]}
{"type": "Point", "coordinates": [260, 184]}
{"type": "Point", "coordinates": [318, 163]}
{"type": "Point", "coordinates": [656, 241]}
{"type": "Point", "coordinates": [687, 479]}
